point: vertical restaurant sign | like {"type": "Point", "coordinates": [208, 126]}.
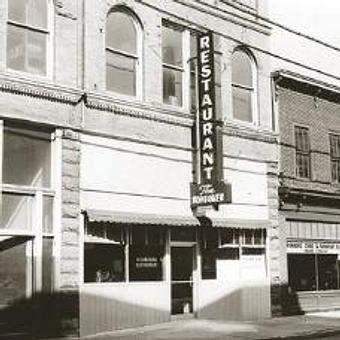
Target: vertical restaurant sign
{"type": "Point", "coordinates": [210, 189]}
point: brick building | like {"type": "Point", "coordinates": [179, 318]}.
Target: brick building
{"type": "Point", "coordinates": [98, 155]}
{"type": "Point", "coordinates": [309, 120]}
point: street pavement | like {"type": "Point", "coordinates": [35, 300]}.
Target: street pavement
{"type": "Point", "coordinates": [311, 326]}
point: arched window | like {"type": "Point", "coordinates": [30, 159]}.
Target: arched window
{"type": "Point", "coordinates": [243, 86]}
{"type": "Point", "coordinates": [28, 35]}
{"type": "Point", "coordinates": [122, 53]}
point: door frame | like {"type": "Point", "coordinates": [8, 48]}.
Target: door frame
{"type": "Point", "coordinates": [193, 246]}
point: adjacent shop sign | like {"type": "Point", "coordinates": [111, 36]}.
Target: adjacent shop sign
{"type": "Point", "coordinates": [312, 247]}
{"type": "Point", "coordinates": [211, 189]}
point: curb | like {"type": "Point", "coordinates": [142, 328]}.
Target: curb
{"type": "Point", "coordinates": [312, 335]}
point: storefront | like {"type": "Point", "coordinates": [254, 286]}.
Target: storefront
{"type": "Point", "coordinates": [143, 273]}
{"type": "Point", "coordinates": [313, 264]}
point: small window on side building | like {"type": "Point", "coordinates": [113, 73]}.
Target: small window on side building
{"type": "Point", "coordinates": [335, 158]}
{"type": "Point", "coordinates": [302, 152]}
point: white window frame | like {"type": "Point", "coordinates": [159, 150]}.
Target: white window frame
{"type": "Point", "coordinates": [49, 31]}
{"type": "Point", "coordinates": [253, 90]}
{"type": "Point", "coordinates": [138, 57]}
{"type": "Point", "coordinates": [184, 69]}
{"type": "Point", "coordinates": [36, 234]}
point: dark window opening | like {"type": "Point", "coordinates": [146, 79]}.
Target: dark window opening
{"type": "Point", "coordinates": [302, 152]}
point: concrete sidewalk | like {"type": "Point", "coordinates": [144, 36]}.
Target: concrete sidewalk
{"type": "Point", "coordinates": [294, 327]}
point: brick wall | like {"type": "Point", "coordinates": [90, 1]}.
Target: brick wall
{"type": "Point", "coordinates": [322, 117]}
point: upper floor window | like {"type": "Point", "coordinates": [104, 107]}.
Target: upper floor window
{"type": "Point", "coordinates": [243, 86]}
{"type": "Point", "coordinates": [302, 152]}
{"type": "Point", "coordinates": [122, 53]}
{"type": "Point", "coordinates": [27, 36]}
{"type": "Point", "coordinates": [173, 66]}
{"type": "Point", "coordinates": [335, 157]}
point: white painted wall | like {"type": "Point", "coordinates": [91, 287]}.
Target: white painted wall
{"type": "Point", "coordinates": [130, 177]}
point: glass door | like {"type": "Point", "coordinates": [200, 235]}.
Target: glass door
{"type": "Point", "coordinates": [182, 280]}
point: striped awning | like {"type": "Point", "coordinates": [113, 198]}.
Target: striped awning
{"type": "Point", "coordinates": [171, 220]}
{"type": "Point", "coordinates": [139, 218]}
{"type": "Point", "coordinates": [239, 223]}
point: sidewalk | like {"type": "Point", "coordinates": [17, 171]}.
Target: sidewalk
{"type": "Point", "coordinates": [293, 327]}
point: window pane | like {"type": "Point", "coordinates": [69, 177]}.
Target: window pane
{"type": "Point", "coordinates": [47, 214]}
{"type": "Point", "coordinates": [328, 272]}
{"type": "Point", "coordinates": [120, 74]}
{"type": "Point", "coordinates": [27, 159]}
{"type": "Point", "coordinates": [26, 50]}
{"type": "Point", "coordinates": [209, 264]}
{"type": "Point", "coordinates": [302, 165]}
{"type": "Point", "coordinates": [172, 87]}
{"type": "Point", "coordinates": [183, 234]}
{"type": "Point", "coordinates": [48, 265]}
{"type": "Point", "coordinates": [336, 171]}
{"type": "Point", "coordinates": [242, 105]}
{"type": "Point", "coordinates": [172, 46]}
{"type": "Point", "coordinates": [17, 211]}
{"type": "Point", "coordinates": [138, 236]}
{"type": "Point", "coordinates": [228, 236]}
{"type": "Point", "coordinates": [335, 146]}
{"type": "Point", "coordinates": [15, 269]}
{"type": "Point", "coordinates": [104, 263]}
{"type": "Point", "coordinates": [259, 236]}
{"type": "Point", "coordinates": [30, 12]}
{"type": "Point", "coordinates": [145, 263]}
{"type": "Point", "coordinates": [248, 236]}
{"type": "Point", "coordinates": [301, 269]}
{"type": "Point", "coordinates": [116, 24]}
{"type": "Point", "coordinates": [241, 69]}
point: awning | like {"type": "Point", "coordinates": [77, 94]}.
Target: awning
{"type": "Point", "coordinates": [239, 223]}
{"type": "Point", "coordinates": [171, 220]}
{"type": "Point", "coordinates": [139, 218]}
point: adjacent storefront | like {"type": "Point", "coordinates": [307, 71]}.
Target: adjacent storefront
{"type": "Point", "coordinates": [313, 264]}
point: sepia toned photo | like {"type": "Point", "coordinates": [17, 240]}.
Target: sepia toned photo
{"type": "Point", "coordinates": [169, 169]}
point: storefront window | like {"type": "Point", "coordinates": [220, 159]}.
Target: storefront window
{"type": "Point", "coordinates": [146, 253]}
{"type": "Point", "coordinates": [312, 272]}
{"type": "Point", "coordinates": [26, 212]}
{"type": "Point", "coordinates": [112, 253]}
{"type": "Point", "coordinates": [16, 268]}
{"type": "Point", "coordinates": [104, 262]}
{"type": "Point", "coordinates": [27, 158]}
{"type": "Point", "coordinates": [104, 255]}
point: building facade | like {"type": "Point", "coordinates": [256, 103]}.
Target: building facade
{"type": "Point", "coordinates": [309, 116]}
{"type": "Point", "coordinates": [98, 109]}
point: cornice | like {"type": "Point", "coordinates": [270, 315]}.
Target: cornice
{"type": "Point", "coordinates": [307, 85]}
{"type": "Point", "coordinates": [251, 133]}
{"type": "Point", "coordinates": [230, 12]}
{"type": "Point", "coordinates": [39, 89]}
{"type": "Point", "coordinates": [137, 110]}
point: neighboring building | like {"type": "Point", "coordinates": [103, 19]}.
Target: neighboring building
{"type": "Point", "coordinates": [309, 121]}
{"type": "Point", "coordinates": [98, 108]}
